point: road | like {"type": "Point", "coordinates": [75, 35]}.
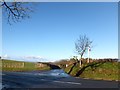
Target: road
{"type": "Point", "coordinates": [51, 79]}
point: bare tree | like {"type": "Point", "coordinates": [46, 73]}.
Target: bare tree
{"type": "Point", "coordinates": [81, 46]}
{"type": "Point", "coordinates": [15, 11]}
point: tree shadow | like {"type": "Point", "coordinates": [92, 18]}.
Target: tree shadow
{"type": "Point", "coordinates": [72, 68]}
{"type": "Point", "coordinates": [92, 65]}
{"type": "Point", "coordinates": [53, 66]}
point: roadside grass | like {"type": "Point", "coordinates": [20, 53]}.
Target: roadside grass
{"type": "Point", "coordinates": [104, 71]}
{"type": "Point", "coordinates": [28, 66]}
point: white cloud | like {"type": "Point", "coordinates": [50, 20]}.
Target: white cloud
{"type": "Point", "coordinates": [27, 58]}
{"type": "Point", "coordinates": [34, 58]}
{"type": "Point", "coordinates": [5, 56]}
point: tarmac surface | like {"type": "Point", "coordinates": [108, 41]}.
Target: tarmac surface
{"type": "Point", "coordinates": [50, 79]}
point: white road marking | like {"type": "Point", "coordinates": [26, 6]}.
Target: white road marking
{"type": "Point", "coordinates": [62, 82]}
{"type": "Point", "coordinates": [43, 79]}
{"type": "Point", "coordinates": [67, 82]}
{"type": "Point", "coordinates": [2, 74]}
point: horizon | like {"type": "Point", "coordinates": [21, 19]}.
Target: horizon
{"type": "Point", "coordinates": [55, 60]}
{"type": "Point", "coordinates": [44, 60]}
{"type": "Point", "coordinates": [53, 28]}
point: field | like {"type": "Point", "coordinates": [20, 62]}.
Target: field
{"type": "Point", "coordinates": [94, 70]}
{"type": "Point", "coordinates": [12, 65]}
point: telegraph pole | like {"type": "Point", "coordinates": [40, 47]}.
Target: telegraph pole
{"type": "Point", "coordinates": [88, 55]}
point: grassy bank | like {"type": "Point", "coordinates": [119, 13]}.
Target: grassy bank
{"type": "Point", "coordinates": [100, 71]}
{"type": "Point", "coordinates": [28, 66]}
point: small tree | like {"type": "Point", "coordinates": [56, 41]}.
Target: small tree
{"type": "Point", "coordinates": [81, 45]}
{"type": "Point", "coordinates": [75, 58]}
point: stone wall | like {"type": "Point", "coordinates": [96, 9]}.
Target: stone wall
{"type": "Point", "coordinates": [40, 65]}
{"type": "Point", "coordinates": [13, 65]}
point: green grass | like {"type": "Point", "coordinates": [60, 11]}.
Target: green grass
{"type": "Point", "coordinates": [105, 71]}
{"type": "Point", "coordinates": [28, 66]}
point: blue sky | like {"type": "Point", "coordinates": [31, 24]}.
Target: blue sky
{"type": "Point", "coordinates": [53, 28]}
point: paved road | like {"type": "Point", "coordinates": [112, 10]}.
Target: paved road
{"type": "Point", "coordinates": [50, 79]}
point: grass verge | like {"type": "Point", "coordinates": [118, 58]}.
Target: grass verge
{"type": "Point", "coordinates": [99, 71]}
